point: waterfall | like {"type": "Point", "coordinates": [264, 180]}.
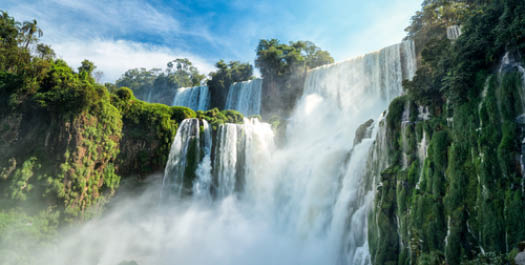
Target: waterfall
{"type": "Point", "coordinates": [196, 98]}
{"type": "Point", "coordinates": [337, 99]}
{"type": "Point", "coordinates": [240, 148]}
{"type": "Point", "coordinates": [245, 97]}
{"type": "Point", "coordinates": [203, 183]}
{"type": "Point", "coordinates": [453, 32]}
{"type": "Point", "coordinates": [148, 97]}
{"type": "Point", "coordinates": [306, 201]}
{"type": "Point", "coordinates": [181, 177]}
{"type": "Point", "coordinates": [317, 189]}
{"type": "Point", "coordinates": [226, 158]}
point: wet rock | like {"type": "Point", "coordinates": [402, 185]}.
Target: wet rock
{"type": "Point", "coordinates": [364, 131]}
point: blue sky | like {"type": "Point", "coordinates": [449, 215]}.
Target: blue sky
{"type": "Point", "coordinates": [119, 35]}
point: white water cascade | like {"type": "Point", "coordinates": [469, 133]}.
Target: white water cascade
{"type": "Point", "coordinates": [187, 135]}
{"type": "Point", "coordinates": [226, 158]}
{"type": "Point", "coordinates": [328, 200]}
{"type": "Point", "coordinates": [453, 32]}
{"type": "Point", "coordinates": [240, 149]}
{"type": "Point", "coordinates": [196, 98]}
{"type": "Point", "coordinates": [245, 97]}
{"type": "Point", "coordinates": [305, 202]}
{"type": "Point", "coordinates": [202, 185]}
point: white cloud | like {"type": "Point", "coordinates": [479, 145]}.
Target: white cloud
{"type": "Point", "coordinates": [125, 16]}
{"type": "Point", "coordinates": [115, 34]}
{"type": "Point", "coordinates": [113, 58]}
{"type": "Point", "coordinates": [76, 29]}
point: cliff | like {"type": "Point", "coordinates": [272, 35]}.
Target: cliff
{"type": "Point", "coordinates": [451, 190]}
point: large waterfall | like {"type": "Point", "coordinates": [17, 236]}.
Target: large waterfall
{"type": "Point", "coordinates": [243, 200]}
{"type": "Point", "coordinates": [317, 189]}
{"type": "Point", "coordinates": [196, 98]}
{"type": "Point", "coordinates": [185, 146]}
{"type": "Point", "coordinates": [245, 97]}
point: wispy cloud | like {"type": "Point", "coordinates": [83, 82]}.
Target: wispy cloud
{"type": "Point", "coordinates": [111, 33]}
{"type": "Point", "coordinates": [115, 57]}
{"type": "Point", "coordinates": [211, 29]}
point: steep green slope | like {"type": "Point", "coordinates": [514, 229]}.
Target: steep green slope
{"type": "Point", "coordinates": [66, 142]}
{"type": "Point", "coordinates": [453, 190]}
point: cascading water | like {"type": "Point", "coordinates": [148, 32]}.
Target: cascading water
{"type": "Point", "coordinates": [226, 158]}
{"type": "Point", "coordinates": [187, 138]}
{"type": "Point", "coordinates": [306, 202]}
{"type": "Point", "coordinates": [326, 199]}
{"type": "Point", "coordinates": [245, 97]}
{"type": "Point", "coordinates": [196, 98]}
{"type": "Point", "coordinates": [239, 149]}
{"type": "Point", "coordinates": [150, 92]}
{"type": "Point", "coordinates": [453, 32]}
{"type": "Point", "coordinates": [203, 182]}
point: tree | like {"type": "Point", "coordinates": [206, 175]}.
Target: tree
{"type": "Point", "coordinates": [139, 80]}
{"type": "Point", "coordinates": [183, 70]}
{"type": "Point", "coordinates": [160, 86]}
{"type": "Point", "coordinates": [11, 56]}
{"type": "Point", "coordinates": [283, 67]}
{"type": "Point", "coordinates": [314, 56]}
{"type": "Point", "coordinates": [221, 80]}
{"type": "Point", "coordinates": [45, 52]}
{"type": "Point", "coordinates": [30, 28]}
{"type": "Point", "coordinates": [86, 69]}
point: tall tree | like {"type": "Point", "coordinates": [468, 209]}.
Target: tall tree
{"type": "Point", "coordinates": [31, 32]}
{"type": "Point", "coordinates": [45, 52]}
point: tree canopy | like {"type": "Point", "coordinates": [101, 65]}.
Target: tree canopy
{"type": "Point", "coordinates": [283, 67]}
{"type": "Point", "coordinates": [278, 59]}
{"type": "Point", "coordinates": [225, 75]}
{"type": "Point", "coordinates": [178, 73]}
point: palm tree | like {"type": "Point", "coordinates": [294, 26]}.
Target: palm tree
{"type": "Point", "coordinates": [29, 28]}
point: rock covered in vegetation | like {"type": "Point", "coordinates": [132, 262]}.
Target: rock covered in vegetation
{"type": "Point", "coordinates": [452, 191]}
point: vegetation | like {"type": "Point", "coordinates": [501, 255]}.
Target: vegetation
{"type": "Point", "coordinates": [458, 204]}
{"type": "Point", "coordinates": [160, 86]}
{"type": "Point", "coordinates": [221, 80]}
{"type": "Point", "coordinates": [145, 149]}
{"type": "Point", "coordinates": [67, 141]}
{"type": "Point", "coordinates": [283, 68]}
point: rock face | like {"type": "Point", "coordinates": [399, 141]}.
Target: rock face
{"type": "Point", "coordinates": [458, 193]}
{"type": "Point", "coordinates": [73, 162]}
{"type": "Point", "coordinates": [520, 258]}
{"type": "Point", "coordinates": [71, 159]}
{"type": "Point", "coordinates": [364, 131]}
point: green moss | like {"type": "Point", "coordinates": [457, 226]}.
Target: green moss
{"type": "Point", "coordinates": [215, 117]}
{"type": "Point", "coordinates": [395, 111]}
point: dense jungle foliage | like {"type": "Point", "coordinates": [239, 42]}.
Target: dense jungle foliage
{"type": "Point", "coordinates": [463, 201]}
{"type": "Point", "coordinates": [67, 141]}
